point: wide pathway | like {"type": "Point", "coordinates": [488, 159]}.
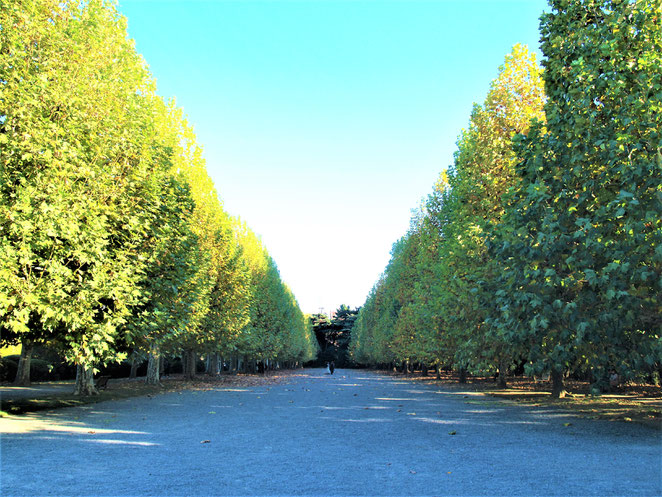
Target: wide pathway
{"type": "Point", "coordinates": [353, 433]}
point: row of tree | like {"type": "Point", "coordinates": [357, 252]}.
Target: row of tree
{"type": "Point", "coordinates": [333, 334]}
{"type": "Point", "coordinates": [542, 244]}
{"type": "Point", "coordinates": [112, 236]}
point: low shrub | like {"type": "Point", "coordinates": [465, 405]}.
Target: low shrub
{"type": "Point", "coordinates": [40, 370]}
{"type": "Point", "coordinates": [8, 368]}
{"type": "Point", "coordinates": [122, 369]}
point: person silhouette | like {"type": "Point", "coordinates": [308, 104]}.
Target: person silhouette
{"type": "Point", "coordinates": [328, 368]}
{"type": "Point", "coordinates": [332, 367]}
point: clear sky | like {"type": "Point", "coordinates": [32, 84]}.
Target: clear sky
{"type": "Point", "coordinates": [325, 122]}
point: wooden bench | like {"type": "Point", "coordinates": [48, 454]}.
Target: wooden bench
{"type": "Point", "coordinates": [102, 382]}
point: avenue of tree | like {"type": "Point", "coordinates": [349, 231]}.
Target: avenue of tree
{"type": "Point", "coordinates": [113, 240]}
{"type": "Point", "coordinates": [542, 244]}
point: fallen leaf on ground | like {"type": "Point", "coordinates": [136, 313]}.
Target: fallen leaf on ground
{"type": "Point", "coordinates": [205, 441]}
{"type": "Point", "coordinates": [452, 432]}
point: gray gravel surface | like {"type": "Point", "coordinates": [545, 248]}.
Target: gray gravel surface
{"type": "Point", "coordinates": [353, 433]}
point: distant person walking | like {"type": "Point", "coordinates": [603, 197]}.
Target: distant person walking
{"type": "Point", "coordinates": [332, 367]}
{"type": "Point", "coordinates": [328, 368]}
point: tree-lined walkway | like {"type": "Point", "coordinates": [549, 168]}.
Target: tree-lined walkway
{"type": "Point", "coordinates": [353, 433]}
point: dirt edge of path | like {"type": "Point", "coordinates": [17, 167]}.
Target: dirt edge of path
{"type": "Point", "coordinates": [641, 404]}
{"type": "Point", "coordinates": [124, 388]}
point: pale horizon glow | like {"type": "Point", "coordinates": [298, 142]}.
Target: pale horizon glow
{"type": "Point", "coordinates": [324, 123]}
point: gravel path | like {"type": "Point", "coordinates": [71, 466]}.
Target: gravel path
{"type": "Point", "coordinates": [353, 433]}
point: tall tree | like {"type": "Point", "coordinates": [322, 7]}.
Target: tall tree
{"type": "Point", "coordinates": [583, 227]}
{"type": "Point", "coordinates": [71, 133]}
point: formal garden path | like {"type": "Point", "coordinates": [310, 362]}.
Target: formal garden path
{"type": "Point", "coordinates": [353, 433]}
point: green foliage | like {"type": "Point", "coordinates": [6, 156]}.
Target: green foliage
{"type": "Point", "coordinates": [543, 240]}
{"type": "Point", "coordinates": [69, 250]}
{"type": "Point", "coordinates": [438, 286]}
{"type": "Point", "coordinates": [333, 335]}
{"type": "Point", "coordinates": [112, 233]}
{"type": "Point", "coordinates": [583, 233]}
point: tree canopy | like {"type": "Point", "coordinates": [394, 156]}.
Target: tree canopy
{"type": "Point", "coordinates": [541, 243]}
{"type": "Point", "coordinates": [113, 236]}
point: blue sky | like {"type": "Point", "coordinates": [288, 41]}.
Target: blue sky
{"type": "Point", "coordinates": [325, 122]}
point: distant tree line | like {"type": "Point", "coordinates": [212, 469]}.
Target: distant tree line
{"type": "Point", "coordinates": [113, 240]}
{"type": "Point", "coordinates": [333, 335]}
{"type": "Point", "coordinates": [542, 243]}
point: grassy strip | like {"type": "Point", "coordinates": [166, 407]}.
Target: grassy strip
{"type": "Point", "coordinates": [123, 389]}
{"type": "Point", "coordinates": [634, 403]}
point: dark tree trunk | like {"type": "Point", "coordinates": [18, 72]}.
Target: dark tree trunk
{"type": "Point", "coordinates": [213, 367]}
{"type": "Point", "coordinates": [23, 371]}
{"type": "Point", "coordinates": [463, 375]}
{"type": "Point", "coordinates": [502, 381]}
{"type": "Point", "coordinates": [153, 370]}
{"type": "Point", "coordinates": [189, 372]}
{"type": "Point", "coordinates": [558, 391]}
{"type": "Point", "coordinates": [184, 362]}
{"type": "Point", "coordinates": [208, 369]}
{"type": "Point", "coordinates": [134, 366]}
{"type": "Point", "coordinates": [424, 369]}
{"type": "Point", "coordinates": [85, 381]}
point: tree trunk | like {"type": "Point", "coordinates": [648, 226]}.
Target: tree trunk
{"type": "Point", "coordinates": [191, 360]}
{"type": "Point", "coordinates": [85, 381]}
{"type": "Point", "coordinates": [208, 363]}
{"type": "Point", "coordinates": [463, 375]}
{"type": "Point", "coordinates": [23, 371]}
{"type": "Point", "coordinates": [153, 370]}
{"type": "Point", "coordinates": [503, 371]}
{"type": "Point", "coordinates": [184, 362]}
{"type": "Point", "coordinates": [437, 371]}
{"type": "Point", "coordinates": [213, 367]}
{"type": "Point", "coordinates": [558, 391]}
{"type": "Point", "coordinates": [424, 369]}
{"type": "Point", "coordinates": [134, 366]}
